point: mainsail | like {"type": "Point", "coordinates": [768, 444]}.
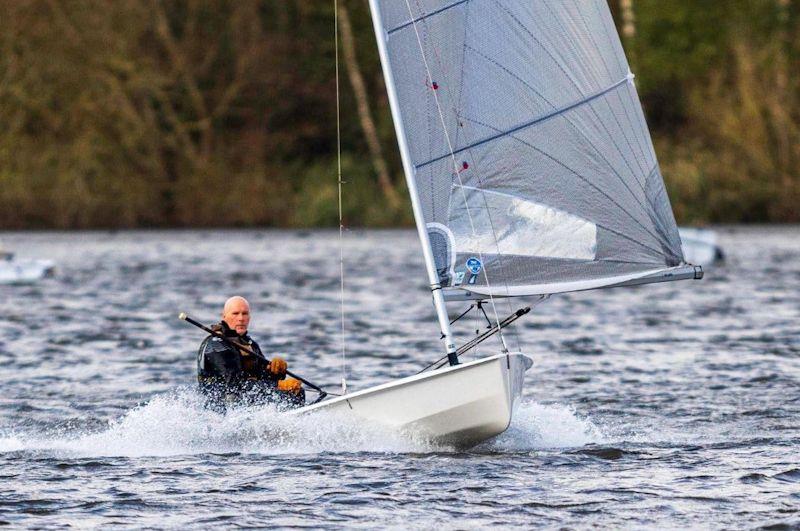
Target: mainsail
{"type": "Point", "coordinates": [531, 165]}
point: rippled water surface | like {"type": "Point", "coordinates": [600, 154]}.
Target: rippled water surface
{"type": "Point", "coordinates": [673, 405]}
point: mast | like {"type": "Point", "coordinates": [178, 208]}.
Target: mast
{"type": "Point", "coordinates": [408, 170]}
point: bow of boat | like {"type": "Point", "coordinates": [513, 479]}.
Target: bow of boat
{"type": "Point", "coordinates": [460, 406]}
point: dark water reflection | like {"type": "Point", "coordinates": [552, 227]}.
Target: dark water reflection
{"type": "Point", "coordinates": [659, 406]}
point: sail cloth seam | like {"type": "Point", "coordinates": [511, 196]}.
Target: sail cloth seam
{"type": "Point", "coordinates": [573, 82]}
{"type": "Point", "coordinates": [527, 124]}
{"type": "Point", "coordinates": [591, 185]}
{"type": "Point", "coordinates": [591, 36]}
{"type": "Point", "coordinates": [574, 127]}
{"type": "Point", "coordinates": [639, 146]}
{"type": "Point", "coordinates": [658, 225]}
{"type": "Point", "coordinates": [659, 222]}
{"type": "Point", "coordinates": [642, 130]}
{"type": "Point", "coordinates": [622, 130]}
{"type": "Point", "coordinates": [414, 21]}
{"type": "Point", "coordinates": [452, 155]}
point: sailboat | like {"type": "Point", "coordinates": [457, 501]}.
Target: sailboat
{"type": "Point", "coordinates": [14, 270]}
{"type": "Point", "coordinates": [531, 173]}
{"type": "Point", "coordinates": [700, 245]}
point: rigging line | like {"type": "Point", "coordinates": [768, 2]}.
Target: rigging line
{"type": "Point", "coordinates": [457, 105]}
{"type": "Point", "coordinates": [477, 333]}
{"type": "Point", "coordinates": [566, 74]}
{"type": "Point", "coordinates": [575, 128]}
{"type": "Point", "coordinates": [500, 257]}
{"type": "Point", "coordinates": [457, 113]}
{"type": "Point", "coordinates": [588, 182]}
{"type": "Point", "coordinates": [465, 312]}
{"type": "Point", "coordinates": [339, 183]}
{"type": "Point", "coordinates": [455, 165]}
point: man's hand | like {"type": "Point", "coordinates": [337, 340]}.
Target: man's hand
{"type": "Point", "coordinates": [290, 385]}
{"type": "Point", "coordinates": [278, 367]}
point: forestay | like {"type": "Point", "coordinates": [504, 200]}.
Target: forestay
{"type": "Point", "coordinates": [528, 144]}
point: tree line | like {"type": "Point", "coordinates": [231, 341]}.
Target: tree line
{"type": "Point", "coordinates": [191, 113]}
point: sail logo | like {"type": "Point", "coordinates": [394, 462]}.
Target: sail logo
{"type": "Point", "coordinates": [474, 265]}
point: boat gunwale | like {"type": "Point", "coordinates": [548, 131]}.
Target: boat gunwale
{"type": "Point", "coordinates": [410, 379]}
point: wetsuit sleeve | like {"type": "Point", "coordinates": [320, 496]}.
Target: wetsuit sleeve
{"type": "Point", "coordinates": [218, 362]}
{"type": "Point", "coordinates": [263, 364]}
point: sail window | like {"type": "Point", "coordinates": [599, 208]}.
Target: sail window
{"type": "Point", "coordinates": [488, 222]}
{"type": "Point", "coordinates": [442, 246]}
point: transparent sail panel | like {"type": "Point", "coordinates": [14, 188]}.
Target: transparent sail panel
{"type": "Point", "coordinates": [528, 142]}
{"type": "Point", "coordinates": [485, 222]}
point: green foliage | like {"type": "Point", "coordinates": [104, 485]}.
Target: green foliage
{"type": "Point", "coordinates": [720, 85]}
{"type": "Point", "coordinates": [222, 112]}
{"type": "Point", "coordinates": [316, 197]}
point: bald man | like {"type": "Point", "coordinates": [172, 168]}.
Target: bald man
{"type": "Point", "coordinates": [231, 376]}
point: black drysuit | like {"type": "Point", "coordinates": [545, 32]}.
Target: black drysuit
{"type": "Point", "coordinates": [229, 376]}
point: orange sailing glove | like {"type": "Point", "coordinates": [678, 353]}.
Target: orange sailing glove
{"type": "Point", "coordinates": [290, 385]}
{"type": "Point", "coordinates": [278, 367]}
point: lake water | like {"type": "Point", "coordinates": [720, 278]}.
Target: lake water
{"type": "Point", "coordinates": [672, 405]}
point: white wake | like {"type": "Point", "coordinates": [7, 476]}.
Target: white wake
{"type": "Point", "coordinates": [175, 424]}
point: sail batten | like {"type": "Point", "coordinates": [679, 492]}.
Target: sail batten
{"type": "Point", "coordinates": [528, 147]}
{"type": "Point", "coordinates": [427, 15]}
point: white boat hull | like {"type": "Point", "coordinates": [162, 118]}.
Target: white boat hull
{"type": "Point", "coordinates": [23, 271]}
{"type": "Point", "coordinates": [459, 406]}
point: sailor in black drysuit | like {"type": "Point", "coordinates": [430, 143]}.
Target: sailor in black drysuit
{"type": "Point", "coordinates": [229, 376]}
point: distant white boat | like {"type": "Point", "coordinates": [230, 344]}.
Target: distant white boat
{"type": "Point", "coordinates": [700, 246]}
{"type": "Point", "coordinates": [20, 271]}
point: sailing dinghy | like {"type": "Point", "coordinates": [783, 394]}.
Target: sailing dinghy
{"type": "Point", "coordinates": [700, 246]}
{"type": "Point", "coordinates": [531, 172]}
{"type": "Point", "coordinates": [20, 271]}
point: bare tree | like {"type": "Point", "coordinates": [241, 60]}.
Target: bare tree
{"type": "Point", "coordinates": [362, 103]}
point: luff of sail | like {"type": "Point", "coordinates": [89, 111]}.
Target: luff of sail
{"type": "Point", "coordinates": [528, 145]}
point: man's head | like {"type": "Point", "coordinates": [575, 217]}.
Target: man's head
{"type": "Point", "coordinates": [236, 314]}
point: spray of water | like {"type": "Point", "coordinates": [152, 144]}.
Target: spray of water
{"type": "Point", "coordinates": [174, 424]}
{"type": "Point", "coordinates": [539, 426]}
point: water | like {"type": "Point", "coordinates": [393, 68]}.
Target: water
{"type": "Point", "coordinates": [673, 405]}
